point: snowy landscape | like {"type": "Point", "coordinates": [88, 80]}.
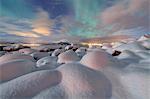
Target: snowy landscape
{"type": "Point", "coordinates": [64, 70]}
{"type": "Point", "coordinates": [74, 49]}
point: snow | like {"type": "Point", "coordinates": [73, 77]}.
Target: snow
{"type": "Point", "coordinates": [27, 51]}
{"type": "Point", "coordinates": [10, 57]}
{"type": "Point", "coordinates": [142, 38]}
{"type": "Point", "coordinates": [2, 53]}
{"type": "Point", "coordinates": [106, 46]}
{"type": "Point", "coordinates": [49, 62]}
{"type": "Point", "coordinates": [29, 85]}
{"type": "Point", "coordinates": [15, 68]}
{"type": "Point", "coordinates": [143, 54]}
{"type": "Point", "coordinates": [57, 52]}
{"type": "Point", "coordinates": [68, 56]}
{"type": "Point", "coordinates": [136, 83]}
{"type": "Point", "coordinates": [81, 51]}
{"type": "Point", "coordinates": [39, 55]}
{"type": "Point", "coordinates": [133, 46]}
{"type": "Point", "coordinates": [98, 60]}
{"type": "Point", "coordinates": [78, 82]}
{"type": "Point", "coordinates": [77, 72]}
{"type": "Point", "coordinates": [128, 57]}
{"type": "Point", "coordinates": [146, 43]}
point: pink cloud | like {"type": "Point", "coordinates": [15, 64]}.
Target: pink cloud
{"type": "Point", "coordinates": [43, 24]}
{"type": "Point", "coordinates": [127, 14]}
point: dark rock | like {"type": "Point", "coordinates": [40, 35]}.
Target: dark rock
{"type": "Point", "coordinates": [116, 53]}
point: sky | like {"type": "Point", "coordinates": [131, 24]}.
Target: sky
{"type": "Point", "coordinates": [70, 18]}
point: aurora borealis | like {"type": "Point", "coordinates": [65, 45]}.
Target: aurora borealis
{"type": "Point", "coordinates": [85, 18]}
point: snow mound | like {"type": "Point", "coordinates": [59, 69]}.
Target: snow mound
{"type": "Point", "coordinates": [128, 57]}
{"type": "Point", "coordinates": [117, 44]}
{"type": "Point", "coordinates": [68, 56]}
{"type": "Point", "coordinates": [10, 57]}
{"type": "Point", "coordinates": [47, 48]}
{"type": "Point", "coordinates": [15, 52]}
{"type": "Point", "coordinates": [27, 51]}
{"type": "Point", "coordinates": [106, 46]}
{"type": "Point", "coordinates": [127, 54]}
{"type": "Point", "coordinates": [57, 52]}
{"type": "Point", "coordinates": [142, 38]}
{"type": "Point", "coordinates": [95, 49]}
{"type": "Point", "coordinates": [39, 55]}
{"type": "Point", "coordinates": [78, 82]}
{"type": "Point", "coordinates": [98, 59]}
{"type": "Point", "coordinates": [146, 43]}
{"type": "Point", "coordinates": [15, 68]}
{"type": "Point", "coordinates": [49, 61]}
{"type": "Point", "coordinates": [29, 85]}
{"type": "Point", "coordinates": [132, 46]}
{"type": "Point", "coordinates": [81, 51]}
{"type": "Point", "coordinates": [68, 47]}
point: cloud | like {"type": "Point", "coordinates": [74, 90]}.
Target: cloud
{"type": "Point", "coordinates": [43, 24]}
{"type": "Point", "coordinates": [127, 14]}
{"type": "Point", "coordinates": [120, 15]}
{"type": "Point", "coordinates": [11, 26]}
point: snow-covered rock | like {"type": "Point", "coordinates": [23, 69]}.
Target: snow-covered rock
{"type": "Point", "coordinates": [142, 38]}
{"type": "Point", "coordinates": [133, 46]}
{"type": "Point", "coordinates": [78, 82]}
{"type": "Point", "coordinates": [81, 51]}
{"type": "Point", "coordinates": [39, 55]}
{"type": "Point", "coordinates": [68, 56]}
{"type": "Point", "coordinates": [146, 43]}
{"type": "Point", "coordinates": [15, 52]}
{"type": "Point", "coordinates": [27, 51]}
{"type": "Point", "coordinates": [47, 48]}
{"type": "Point", "coordinates": [15, 68]}
{"type": "Point", "coordinates": [29, 85]}
{"type": "Point", "coordinates": [9, 48]}
{"type": "Point", "coordinates": [106, 46]}
{"type": "Point", "coordinates": [68, 47]}
{"type": "Point", "coordinates": [10, 57]}
{"type": "Point", "coordinates": [57, 52]}
{"type": "Point", "coordinates": [98, 60]}
{"type": "Point", "coordinates": [47, 62]}
{"type": "Point", "coordinates": [13, 47]}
